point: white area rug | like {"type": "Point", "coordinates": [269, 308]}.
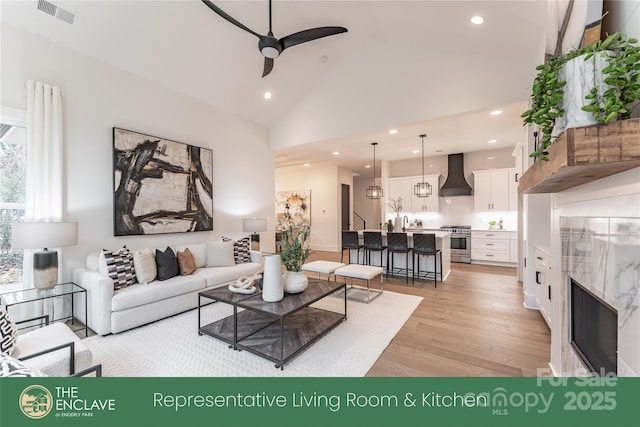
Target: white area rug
{"type": "Point", "coordinates": [173, 348]}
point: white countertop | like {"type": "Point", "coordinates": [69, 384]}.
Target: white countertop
{"type": "Point", "coordinates": [497, 230]}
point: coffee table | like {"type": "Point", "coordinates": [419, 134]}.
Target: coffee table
{"type": "Point", "coordinates": [276, 331]}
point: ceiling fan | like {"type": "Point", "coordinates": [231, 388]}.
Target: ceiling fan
{"type": "Point", "coordinates": [270, 46]}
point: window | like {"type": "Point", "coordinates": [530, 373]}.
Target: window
{"type": "Point", "coordinates": [13, 161]}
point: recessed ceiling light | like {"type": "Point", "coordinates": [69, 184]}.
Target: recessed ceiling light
{"type": "Point", "coordinates": [393, 131]}
{"type": "Point", "coordinates": [416, 151]}
{"type": "Point", "coordinates": [477, 20]}
{"type": "Point", "coordinates": [490, 158]}
{"type": "Point", "coordinates": [496, 112]}
{"type": "Point", "coordinates": [367, 166]}
{"type": "Point", "coordinates": [267, 95]}
{"type": "Point", "coordinates": [493, 141]}
{"type": "Point", "coordinates": [335, 153]}
{"type": "Point", "coordinates": [306, 165]}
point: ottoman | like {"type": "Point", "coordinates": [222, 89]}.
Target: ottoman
{"type": "Point", "coordinates": [322, 267]}
{"type": "Point", "coordinates": [364, 272]}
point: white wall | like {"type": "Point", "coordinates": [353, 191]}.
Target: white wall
{"type": "Point", "coordinates": [98, 97]}
{"type": "Point", "coordinates": [325, 186]}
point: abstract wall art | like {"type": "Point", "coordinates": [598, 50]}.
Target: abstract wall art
{"type": "Point", "coordinates": [293, 208]}
{"type": "Point", "coordinates": [160, 186]}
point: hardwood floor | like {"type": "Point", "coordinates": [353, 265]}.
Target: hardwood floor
{"type": "Point", "coordinates": [474, 324]}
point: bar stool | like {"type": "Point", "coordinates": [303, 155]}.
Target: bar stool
{"type": "Point", "coordinates": [397, 243]}
{"type": "Point", "coordinates": [373, 243]}
{"type": "Point", "coordinates": [351, 241]}
{"type": "Point", "coordinates": [425, 244]}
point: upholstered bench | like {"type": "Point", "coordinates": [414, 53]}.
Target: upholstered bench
{"type": "Point", "coordinates": [364, 272]}
{"type": "Point", "coordinates": [322, 267]}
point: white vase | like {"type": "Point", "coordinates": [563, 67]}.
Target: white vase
{"type": "Point", "coordinates": [397, 224]}
{"type": "Point", "coordinates": [295, 282]}
{"type": "Point", "coordinates": [579, 75]}
{"type": "Point", "coordinates": [272, 288]}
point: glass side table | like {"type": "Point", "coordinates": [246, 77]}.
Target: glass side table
{"type": "Point", "coordinates": [25, 296]}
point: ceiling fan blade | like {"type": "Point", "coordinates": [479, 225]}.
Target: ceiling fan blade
{"type": "Point", "coordinates": [223, 14]}
{"type": "Point", "coordinates": [268, 66]}
{"type": "Point", "coordinates": [309, 35]}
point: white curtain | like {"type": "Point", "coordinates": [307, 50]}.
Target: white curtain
{"type": "Point", "coordinates": [44, 192]}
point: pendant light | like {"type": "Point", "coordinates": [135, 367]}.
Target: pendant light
{"type": "Point", "coordinates": [422, 189]}
{"type": "Point", "coordinates": [374, 191]}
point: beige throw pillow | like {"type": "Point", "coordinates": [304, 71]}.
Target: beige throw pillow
{"type": "Point", "coordinates": [144, 262]}
{"type": "Point", "coordinates": [220, 254]}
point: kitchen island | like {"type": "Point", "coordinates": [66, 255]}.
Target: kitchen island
{"type": "Point", "coordinates": [443, 242]}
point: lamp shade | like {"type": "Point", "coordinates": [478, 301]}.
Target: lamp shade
{"type": "Point", "coordinates": [36, 235]}
{"type": "Point", "coordinates": [254, 225]}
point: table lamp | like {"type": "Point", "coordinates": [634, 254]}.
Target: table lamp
{"type": "Point", "coordinates": [38, 235]}
{"type": "Point", "coordinates": [254, 226]}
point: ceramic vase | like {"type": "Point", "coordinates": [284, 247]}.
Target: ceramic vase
{"type": "Point", "coordinates": [295, 282]}
{"type": "Point", "coordinates": [272, 287]}
{"type": "Point", "coordinates": [580, 76]}
{"type": "Point", "coordinates": [397, 224]}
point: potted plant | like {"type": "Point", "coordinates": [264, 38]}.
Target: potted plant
{"type": "Point", "coordinates": [614, 91]}
{"type": "Point", "coordinates": [419, 223]}
{"type": "Point", "coordinates": [294, 251]}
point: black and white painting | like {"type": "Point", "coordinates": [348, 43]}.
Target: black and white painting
{"type": "Point", "coordinates": [160, 186]}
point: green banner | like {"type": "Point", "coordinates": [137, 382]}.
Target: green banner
{"type": "Point", "coordinates": [584, 402]}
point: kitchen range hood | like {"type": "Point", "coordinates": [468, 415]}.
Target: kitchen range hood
{"type": "Point", "coordinates": [456, 184]}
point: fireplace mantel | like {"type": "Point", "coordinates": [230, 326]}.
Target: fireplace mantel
{"type": "Point", "coordinates": [585, 154]}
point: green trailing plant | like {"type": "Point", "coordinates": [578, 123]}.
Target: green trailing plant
{"type": "Point", "coordinates": [621, 77]}
{"type": "Point", "coordinates": [613, 102]}
{"type": "Point", "coordinates": [294, 249]}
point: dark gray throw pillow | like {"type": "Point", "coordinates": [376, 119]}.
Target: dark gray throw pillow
{"type": "Point", "coordinates": [167, 264]}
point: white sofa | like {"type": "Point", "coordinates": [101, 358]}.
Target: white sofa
{"type": "Point", "coordinates": [113, 311]}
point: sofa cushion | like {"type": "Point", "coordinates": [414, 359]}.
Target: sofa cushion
{"type": "Point", "coordinates": [186, 262]}
{"type": "Point", "coordinates": [118, 265]}
{"type": "Point", "coordinates": [144, 263]}
{"type": "Point", "coordinates": [167, 264]}
{"type": "Point", "coordinates": [55, 363]}
{"type": "Point", "coordinates": [220, 275]}
{"type": "Point", "coordinates": [137, 295]}
{"type": "Point", "coordinates": [241, 249]}
{"type": "Point", "coordinates": [220, 254]}
{"type": "Point", "coordinates": [199, 252]}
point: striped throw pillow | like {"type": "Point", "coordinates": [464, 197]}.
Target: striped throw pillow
{"type": "Point", "coordinates": [120, 267]}
{"type": "Point", "coordinates": [241, 249]}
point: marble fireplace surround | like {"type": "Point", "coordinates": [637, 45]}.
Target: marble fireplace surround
{"type": "Point", "coordinates": [603, 255]}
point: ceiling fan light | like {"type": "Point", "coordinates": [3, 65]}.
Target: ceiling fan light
{"type": "Point", "coordinates": [270, 52]}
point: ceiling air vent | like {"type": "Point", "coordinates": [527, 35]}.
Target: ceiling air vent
{"type": "Point", "coordinates": [53, 10]}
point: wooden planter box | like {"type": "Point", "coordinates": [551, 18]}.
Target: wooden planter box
{"type": "Point", "coordinates": [585, 154]}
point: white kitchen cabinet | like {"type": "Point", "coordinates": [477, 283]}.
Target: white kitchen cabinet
{"type": "Point", "coordinates": [426, 204]}
{"type": "Point", "coordinates": [490, 247]}
{"type": "Point", "coordinates": [513, 247]}
{"type": "Point", "coordinates": [403, 187]}
{"type": "Point", "coordinates": [543, 283]}
{"type": "Point", "coordinates": [400, 188]}
{"type": "Point", "coordinates": [491, 190]}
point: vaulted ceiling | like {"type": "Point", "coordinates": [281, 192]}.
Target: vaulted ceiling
{"type": "Point", "coordinates": [417, 66]}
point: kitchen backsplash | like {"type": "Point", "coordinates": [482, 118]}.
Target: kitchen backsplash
{"type": "Point", "coordinates": [460, 211]}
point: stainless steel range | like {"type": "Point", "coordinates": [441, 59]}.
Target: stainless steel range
{"type": "Point", "coordinates": [460, 242]}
